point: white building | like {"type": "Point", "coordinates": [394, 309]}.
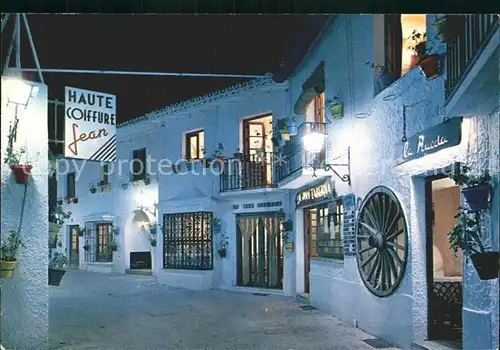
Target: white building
{"type": "Point", "coordinates": [325, 263]}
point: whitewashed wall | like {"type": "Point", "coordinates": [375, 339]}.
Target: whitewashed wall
{"type": "Point", "coordinates": [25, 297]}
{"type": "Point", "coordinates": [375, 141]}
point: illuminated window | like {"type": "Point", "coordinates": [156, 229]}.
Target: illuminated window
{"type": "Point", "coordinates": [195, 143]}
{"type": "Point", "coordinates": [414, 35]}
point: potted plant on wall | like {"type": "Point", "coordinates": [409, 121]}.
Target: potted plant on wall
{"type": "Point", "coordinates": [56, 268]}
{"type": "Point", "coordinates": [13, 159]}
{"type": "Point", "coordinates": [92, 188]}
{"type": "Point", "coordinates": [60, 217]}
{"type": "Point", "coordinates": [81, 231]}
{"type": "Point", "coordinates": [116, 231]}
{"type": "Point", "coordinates": [8, 254]}
{"type": "Point", "coordinates": [335, 108]}
{"type": "Point", "coordinates": [384, 77]}
{"type": "Point", "coordinates": [223, 247]}
{"type": "Point", "coordinates": [466, 235]}
{"type": "Point", "coordinates": [113, 245]}
{"type": "Point", "coordinates": [152, 241]}
{"type": "Point", "coordinates": [153, 227]}
{"type": "Point", "coordinates": [475, 188]}
{"type": "Point", "coordinates": [428, 63]}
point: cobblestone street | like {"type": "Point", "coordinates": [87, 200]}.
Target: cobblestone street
{"type": "Point", "coordinates": [100, 311]}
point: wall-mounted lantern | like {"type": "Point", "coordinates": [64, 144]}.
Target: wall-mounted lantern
{"type": "Point", "coordinates": [20, 91]}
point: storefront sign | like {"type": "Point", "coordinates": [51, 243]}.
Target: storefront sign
{"type": "Point", "coordinates": [317, 193]}
{"type": "Point", "coordinates": [90, 125]}
{"type": "Point", "coordinates": [258, 205]}
{"type": "Point", "coordinates": [432, 140]}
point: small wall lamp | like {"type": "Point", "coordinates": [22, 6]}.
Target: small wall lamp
{"type": "Point", "coordinates": [140, 216]}
{"type": "Point", "coordinates": [19, 91]}
{"type": "Point", "coordinates": [314, 141]}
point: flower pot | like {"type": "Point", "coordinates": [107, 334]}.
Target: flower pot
{"type": "Point", "coordinates": [337, 110]}
{"type": "Point", "coordinates": [59, 202]}
{"type": "Point", "coordinates": [7, 268]}
{"type": "Point", "coordinates": [153, 243]}
{"type": "Point", "coordinates": [430, 66]}
{"type": "Point", "coordinates": [55, 276]}
{"type": "Point", "coordinates": [414, 59]}
{"type": "Point", "coordinates": [21, 173]}
{"type": "Point", "coordinates": [54, 229]}
{"type": "Point", "coordinates": [384, 80]}
{"type": "Point", "coordinates": [477, 197]}
{"type": "Point", "coordinates": [289, 246]}
{"type": "Point", "coordinates": [152, 230]}
{"type": "Point", "coordinates": [222, 252]}
{"type": "Point", "coordinates": [92, 190]}
{"type": "Point", "coordinates": [75, 200]}
{"type": "Point", "coordinates": [487, 264]}
{"type": "Point", "coordinates": [287, 226]}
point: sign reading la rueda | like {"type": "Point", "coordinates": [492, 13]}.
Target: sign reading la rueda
{"type": "Point", "coordinates": [90, 125]}
{"type": "Point", "coordinates": [431, 140]}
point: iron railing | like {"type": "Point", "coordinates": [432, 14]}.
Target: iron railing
{"type": "Point", "coordinates": [248, 172]}
{"type": "Point", "coordinates": [98, 238]}
{"type": "Point", "coordinates": [293, 157]}
{"type": "Point", "coordinates": [468, 36]}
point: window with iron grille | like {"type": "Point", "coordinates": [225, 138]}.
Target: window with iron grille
{"type": "Point", "coordinates": [188, 241]}
{"type": "Point", "coordinates": [70, 186]}
{"type": "Point", "coordinates": [195, 143]}
{"type": "Point", "coordinates": [98, 237]}
{"type": "Point", "coordinates": [329, 231]}
{"type": "Point", "coordinates": [139, 166]}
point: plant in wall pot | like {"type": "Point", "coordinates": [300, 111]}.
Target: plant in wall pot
{"type": "Point", "coordinates": [153, 227]}
{"type": "Point", "coordinates": [152, 241]}
{"type": "Point", "coordinates": [56, 268]}
{"type": "Point", "coordinates": [335, 108]}
{"type": "Point", "coordinates": [113, 245]}
{"type": "Point", "coordinates": [20, 171]}
{"type": "Point", "coordinates": [475, 188]}
{"type": "Point", "coordinates": [116, 230]}
{"type": "Point", "coordinates": [223, 247]}
{"type": "Point", "coordinates": [466, 235]}
{"type": "Point", "coordinates": [92, 188]}
{"type": "Point", "coordinates": [81, 231]}
{"type": "Point", "coordinates": [8, 254]}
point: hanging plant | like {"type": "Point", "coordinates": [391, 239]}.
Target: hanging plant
{"type": "Point", "coordinates": [86, 247]}
{"type": "Point", "coordinates": [466, 235]}
{"type": "Point", "coordinates": [8, 254]}
{"type": "Point", "coordinates": [335, 108]}
{"type": "Point", "coordinates": [113, 245]}
{"type": "Point", "coordinates": [81, 231]}
{"type": "Point", "coordinates": [223, 247]}
{"type": "Point", "coordinates": [56, 268]}
{"type": "Point", "coordinates": [116, 231]}
{"type": "Point", "coordinates": [92, 188]}
{"type": "Point", "coordinates": [475, 188]}
{"type": "Point", "coordinates": [152, 241]}
{"type": "Point", "coordinates": [13, 159]}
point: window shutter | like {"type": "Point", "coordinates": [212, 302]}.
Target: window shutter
{"type": "Point", "coordinates": [393, 44]}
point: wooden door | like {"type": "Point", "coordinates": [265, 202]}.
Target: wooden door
{"type": "Point", "coordinates": [310, 239]}
{"type": "Point", "coordinates": [74, 247]}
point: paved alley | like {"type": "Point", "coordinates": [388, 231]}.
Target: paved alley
{"type": "Point", "coordinates": [100, 311]}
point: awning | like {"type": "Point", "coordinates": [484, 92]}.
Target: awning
{"type": "Point", "coordinates": [313, 87]}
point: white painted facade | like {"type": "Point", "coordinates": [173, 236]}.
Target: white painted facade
{"type": "Point", "coordinates": [25, 298]}
{"type": "Point", "coordinates": [372, 127]}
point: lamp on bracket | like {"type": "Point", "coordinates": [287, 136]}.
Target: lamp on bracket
{"type": "Point", "coordinates": [314, 142]}
{"type": "Point", "coordinates": [141, 217]}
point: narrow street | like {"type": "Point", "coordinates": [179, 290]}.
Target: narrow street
{"type": "Point", "coordinates": [100, 311]}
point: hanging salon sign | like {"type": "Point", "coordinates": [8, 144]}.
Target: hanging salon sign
{"type": "Point", "coordinates": [90, 125]}
{"type": "Point", "coordinates": [431, 140]}
{"type": "Point", "coordinates": [314, 194]}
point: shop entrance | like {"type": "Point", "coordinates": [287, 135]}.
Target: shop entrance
{"type": "Point", "coordinates": [259, 247]}
{"type": "Point", "coordinates": [444, 268]}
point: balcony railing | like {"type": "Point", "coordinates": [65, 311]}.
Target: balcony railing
{"type": "Point", "coordinates": [292, 158]}
{"type": "Point", "coordinates": [468, 36]}
{"type": "Point", "coordinates": [248, 172]}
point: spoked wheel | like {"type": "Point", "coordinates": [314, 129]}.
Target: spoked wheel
{"type": "Point", "coordinates": [381, 242]}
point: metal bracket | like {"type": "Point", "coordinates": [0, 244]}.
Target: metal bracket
{"type": "Point", "coordinates": [346, 177]}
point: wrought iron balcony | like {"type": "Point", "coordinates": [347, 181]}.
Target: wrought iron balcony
{"type": "Point", "coordinates": [248, 172]}
{"type": "Point", "coordinates": [469, 34]}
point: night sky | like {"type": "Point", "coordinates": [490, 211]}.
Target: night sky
{"type": "Point", "coordinates": [228, 44]}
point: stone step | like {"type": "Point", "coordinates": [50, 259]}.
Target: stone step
{"type": "Point", "coordinates": [145, 272]}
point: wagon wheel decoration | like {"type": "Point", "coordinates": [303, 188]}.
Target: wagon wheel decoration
{"type": "Point", "coordinates": [381, 242]}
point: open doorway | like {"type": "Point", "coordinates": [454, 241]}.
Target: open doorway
{"type": "Point", "coordinates": [444, 268]}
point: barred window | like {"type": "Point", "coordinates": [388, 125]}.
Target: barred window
{"type": "Point", "coordinates": [188, 241]}
{"type": "Point", "coordinates": [329, 231]}
{"type": "Point", "coordinates": [98, 237]}
{"type": "Point", "coordinates": [139, 165]}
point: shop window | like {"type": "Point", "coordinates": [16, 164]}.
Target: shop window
{"type": "Point", "coordinates": [98, 238]}
{"type": "Point", "coordinates": [329, 231]}
{"type": "Point", "coordinates": [139, 164]}
{"type": "Point", "coordinates": [188, 241]}
{"type": "Point", "coordinates": [105, 174]}
{"type": "Point", "coordinates": [195, 143]}
{"type": "Point", "coordinates": [70, 185]}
